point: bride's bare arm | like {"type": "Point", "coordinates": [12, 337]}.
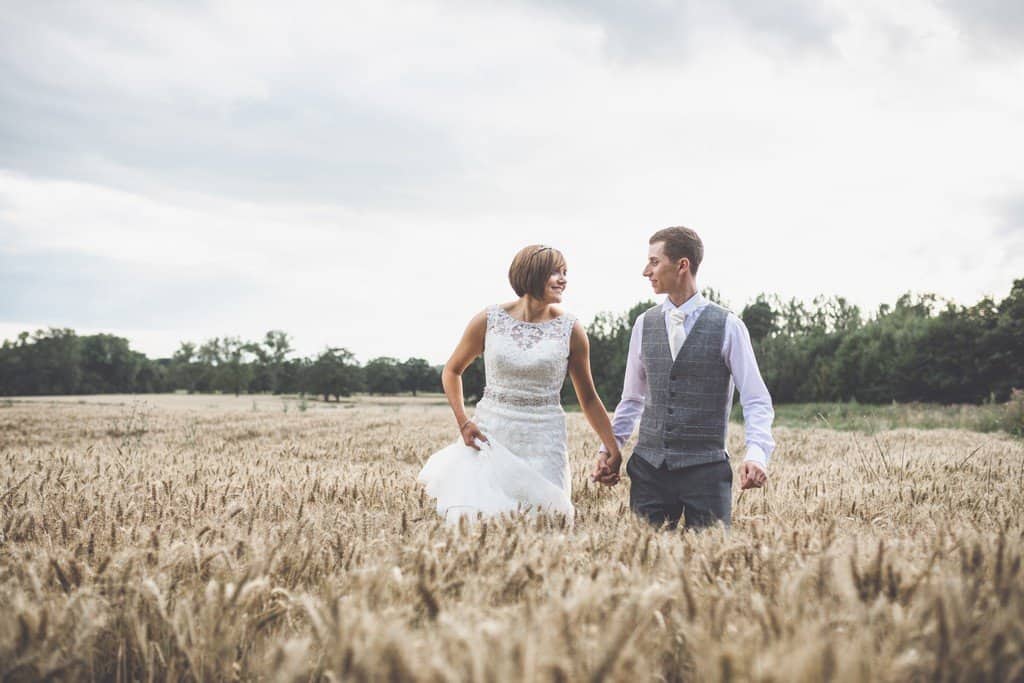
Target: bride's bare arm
{"type": "Point", "coordinates": [586, 393]}
{"type": "Point", "coordinates": [470, 346]}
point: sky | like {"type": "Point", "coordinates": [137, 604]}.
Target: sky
{"type": "Point", "coordinates": [360, 174]}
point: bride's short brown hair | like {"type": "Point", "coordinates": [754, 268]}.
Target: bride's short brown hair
{"type": "Point", "coordinates": [532, 267]}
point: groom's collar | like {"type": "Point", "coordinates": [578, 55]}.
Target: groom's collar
{"type": "Point", "coordinates": [692, 304]}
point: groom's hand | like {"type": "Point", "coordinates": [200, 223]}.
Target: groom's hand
{"type": "Point", "coordinates": [752, 475]}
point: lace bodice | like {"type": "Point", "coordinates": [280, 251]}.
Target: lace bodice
{"type": "Point", "coordinates": [525, 363]}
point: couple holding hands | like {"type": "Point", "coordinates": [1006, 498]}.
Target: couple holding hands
{"type": "Point", "coordinates": [687, 355]}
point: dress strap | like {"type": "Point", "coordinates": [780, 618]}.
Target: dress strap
{"type": "Point", "coordinates": [568, 321]}
{"type": "Point", "coordinates": [492, 314]}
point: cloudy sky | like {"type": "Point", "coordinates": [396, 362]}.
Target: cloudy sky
{"type": "Point", "coordinates": [361, 173]}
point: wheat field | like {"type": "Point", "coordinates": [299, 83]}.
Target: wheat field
{"type": "Point", "coordinates": [222, 538]}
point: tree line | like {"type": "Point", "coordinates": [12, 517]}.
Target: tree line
{"type": "Point", "coordinates": [920, 349]}
{"type": "Point", "coordinates": [58, 361]}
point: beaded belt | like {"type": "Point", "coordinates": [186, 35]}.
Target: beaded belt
{"type": "Point", "coordinates": [515, 398]}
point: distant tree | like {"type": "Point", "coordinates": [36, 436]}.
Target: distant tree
{"type": "Point", "coordinates": [609, 336]}
{"type": "Point", "coordinates": [186, 370]}
{"type": "Point", "coordinates": [473, 380]}
{"type": "Point", "coordinates": [759, 317]}
{"type": "Point", "coordinates": [1001, 349]}
{"type": "Point", "coordinates": [153, 375]}
{"type": "Point", "coordinates": [607, 358]}
{"type": "Point", "coordinates": [418, 375]}
{"type": "Point", "coordinates": [10, 368]}
{"type": "Point", "coordinates": [234, 372]}
{"type": "Point", "coordinates": [208, 357]}
{"type": "Point", "coordinates": [108, 364]}
{"type": "Point", "coordinates": [210, 352]}
{"type": "Point", "coordinates": [293, 375]}
{"type": "Point", "coordinates": [55, 361]}
{"type": "Point", "coordinates": [334, 373]}
{"type": "Point", "coordinates": [796, 319]}
{"type": "Point", "coordinates": [262, 375]}
{"type": "Point", "coordinates": [383, 376]}
{"type": "Point", "coordinates": [270, 358]}
{"type": "Point", "coordinates": [841, 315]}
{"type": "Point", "coordinates": [712, 294]}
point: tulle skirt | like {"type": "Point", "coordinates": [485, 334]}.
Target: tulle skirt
{"type": "Point", "coordinates": [523, 468]}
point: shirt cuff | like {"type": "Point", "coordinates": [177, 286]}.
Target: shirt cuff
{"type": "Point", "coordinates": [757, 456]}
{"type": "Point", "coordinates": [618, 439]}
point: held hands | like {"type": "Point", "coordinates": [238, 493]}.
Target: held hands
{"type": "Point", "coordinates": [752, 475]}
{"type": "Point", "coordinates": [606, 468]}
{"type": "Point", "coordinates": [470, 433]}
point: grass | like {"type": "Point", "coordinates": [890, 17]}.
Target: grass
{"type": "Point", "coordinates": [186, 538]}
{"type": "Point", "coordinates": [874, 418]}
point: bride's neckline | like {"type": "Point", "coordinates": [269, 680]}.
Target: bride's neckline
{"type": "Point", "coordinates": [525, 322]}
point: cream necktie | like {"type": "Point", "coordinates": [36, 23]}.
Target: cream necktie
{"type": "Point", "coordinates": [678, 335]}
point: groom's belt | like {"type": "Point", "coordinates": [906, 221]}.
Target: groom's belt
{"type": "Point", "coordinates": [521, 398]}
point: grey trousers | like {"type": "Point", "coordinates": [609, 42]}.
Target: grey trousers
{"type": "Point", "coordinates": [701, 494]}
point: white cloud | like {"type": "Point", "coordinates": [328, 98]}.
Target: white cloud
{"type": "Point", "coordinates": [361, 174]}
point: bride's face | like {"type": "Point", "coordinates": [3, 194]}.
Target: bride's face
{"type": "Point", "coordinates": [555, 286]}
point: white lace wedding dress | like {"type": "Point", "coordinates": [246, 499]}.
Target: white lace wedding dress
{"type": "Point", "coordinates": [525, 466]}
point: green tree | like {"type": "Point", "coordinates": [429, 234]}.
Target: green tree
{"type": "Point", "coordinates": [186, 370]}
{"type": "Point", "coordinates": [270, 356]}
{"type": "Point", "coordinates": [108, 364]}
{"type": "Point", "coordinates": [712, 294]}
{"type": "Point", "coordinates": [383, 376]}
{"type": "Point", "coordinates": [292, 378]}
{"type": "Point", "coordinates": [473, 380]}
{"type": "Point", "coordinates": [418, 375]}
{"type": "Point", "coordinates": [334, 373]}
{"type": "Point", "coordinates": [54, 361]}
{"type": "Point", "coordinates": [233, 371]}
{"type": "Point", "coordinates": [759, 317]}
{"type": "Point", "coordinates": [209, 357]}
{"type": "Point", "coordinates": [1001, 349]}
{"type": "Point", "coordinates": [609, 336]}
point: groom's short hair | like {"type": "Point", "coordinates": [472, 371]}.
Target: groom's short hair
{"type": "Point", "coordinates": [532, 267]}
{"type": "Point", "coordinates": [681, 242]}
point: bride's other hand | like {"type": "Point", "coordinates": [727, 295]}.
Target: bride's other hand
{"type": "Point", "coordinates": [471, 433]}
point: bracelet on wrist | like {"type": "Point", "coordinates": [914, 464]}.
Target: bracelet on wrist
{"type": "Point", "coordinates": [463, 425]}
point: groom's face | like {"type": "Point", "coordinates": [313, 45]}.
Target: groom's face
{"type": "Point", "coordinates": [663, 272]}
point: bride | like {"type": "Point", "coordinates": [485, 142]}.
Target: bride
{"type": "Point", "coordinates": [512, 455]}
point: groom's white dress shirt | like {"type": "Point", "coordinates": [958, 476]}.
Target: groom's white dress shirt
{"type": "Point", "coordinates": [738, 355]}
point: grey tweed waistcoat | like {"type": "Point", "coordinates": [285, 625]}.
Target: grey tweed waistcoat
{"type": "Point", "coordinates": [685, 414]}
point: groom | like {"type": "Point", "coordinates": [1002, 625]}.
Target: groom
{"type": "Point", "coordinates": [686, 355]}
